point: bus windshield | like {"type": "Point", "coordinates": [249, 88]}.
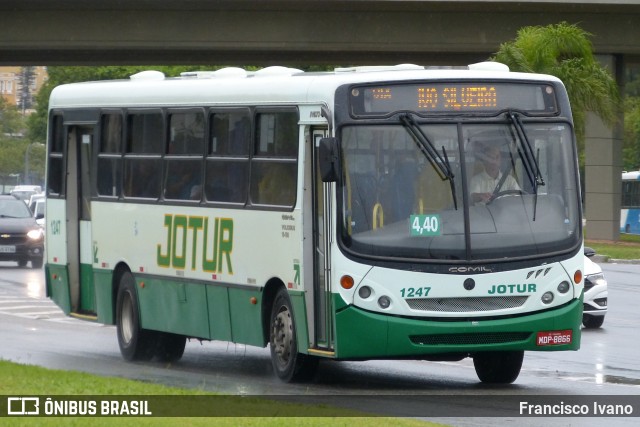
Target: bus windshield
{"type": "Point", "coordinates": [510, 190]}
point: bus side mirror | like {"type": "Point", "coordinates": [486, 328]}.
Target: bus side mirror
{"type": "Point", "coordinates": [328, 159]}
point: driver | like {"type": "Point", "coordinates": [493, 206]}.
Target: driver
{"type": "Point", "coordinates": [485, 183]}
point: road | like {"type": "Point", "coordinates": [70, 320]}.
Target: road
{"type": "Point", "coordinates": [34, 331]}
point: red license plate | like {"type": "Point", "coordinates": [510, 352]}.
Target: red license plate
{"type": "Point", "coordinates": [554, 337]}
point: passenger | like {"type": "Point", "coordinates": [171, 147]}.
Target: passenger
{"type": "Point", "coordinates": [196, 192]}
{"type": "Point", "coordinates": [144, 179]}
{"type": "Point", "coordinates": [182, 176]}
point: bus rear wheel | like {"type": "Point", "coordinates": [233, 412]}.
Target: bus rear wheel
{"type": "Point", "coordinates": [135, 343]}
{"type": "Point", "coordinates": [498, 367]}
{"type": "Point", "coordinates": [289, 365]}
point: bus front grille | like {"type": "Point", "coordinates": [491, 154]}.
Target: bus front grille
{"type": "Point", "coordinates": [470, 339]}
{"type": "Point", "coordinates": [466, 305]}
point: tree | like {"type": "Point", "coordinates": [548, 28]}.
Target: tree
{"type": "Point", "coordinates": [565, 51]}
{"type": "Point", "coordinates": [25, 97]}
{"type": "Point", "coordinates": [631, 149]}
{"type": "Point", "coordinates": [11, 121]}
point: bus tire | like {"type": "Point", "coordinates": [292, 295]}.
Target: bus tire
{"type": "Point", "coordinates": [170, 347]}
{"type": "Point", "coordinates": [135, 343]}
{"type": "Point", "coordinates": [498, 367]}
{"type": "Point", "coordinates": [288, 364]}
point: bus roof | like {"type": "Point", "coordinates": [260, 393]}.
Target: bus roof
{"type": "Point", "coordinates": [271, 85]}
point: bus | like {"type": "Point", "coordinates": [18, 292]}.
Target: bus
{"type": "Point", "coordinates": [630, 204]}
{"type": "Point", "coordinates": [324, 215]}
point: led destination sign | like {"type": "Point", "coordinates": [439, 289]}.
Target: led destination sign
{"type": "Point", "coordinates": [452, 97]}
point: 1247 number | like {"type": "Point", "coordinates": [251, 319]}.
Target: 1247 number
{"type": "Point", "coordinates": [414, 292]}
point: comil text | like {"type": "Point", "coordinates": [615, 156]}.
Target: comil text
{"type": "Point", "coordinates": [211, 243]}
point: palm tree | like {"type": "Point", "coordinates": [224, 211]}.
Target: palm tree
{"type": "Point", "coordinates": [565, 51]}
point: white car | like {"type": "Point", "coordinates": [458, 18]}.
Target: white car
{"type": "Point", "coordinates": [24, 192]}
{"type": "Point", "coordinates": [38, 212]}
{"type": "Point", "coordinates": [595, 292]}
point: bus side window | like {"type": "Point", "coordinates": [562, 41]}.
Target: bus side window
{"type": "Point", "coordinates": [274, 166]}
{"type": "Point", "coordinates": [183, 178]}
{"type": "Point", "coordinates": [274, 183]}
{"type": "Point", "coordinates": [55, 169]}
{"type": "Point", "coordinates": [226, 181]}
{"type": "Point", "coordinates": [144, 178]}
{"type": "Point", "coordinates": [183, 160]}
{"type": "Point", "coordinates": [143, 162]}
{"type": "Point", "coordinates": [227, 164]}
{"type": "Point", "coordinates": [109, 156]}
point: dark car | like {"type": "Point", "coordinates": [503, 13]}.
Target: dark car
{"type": "Point", "coordinates": [21, 238]}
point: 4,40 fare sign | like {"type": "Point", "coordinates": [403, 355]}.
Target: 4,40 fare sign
{"type": "Point", "coordinates": [425, 225]}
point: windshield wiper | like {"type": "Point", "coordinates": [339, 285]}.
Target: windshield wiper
{"type": "Point", "coordinates": [529, 158]}
{"type": "Point", "coordinates": [440, 163]}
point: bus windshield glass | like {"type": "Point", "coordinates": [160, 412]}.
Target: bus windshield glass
{"type": "Point", "coordinates": [397, 203]}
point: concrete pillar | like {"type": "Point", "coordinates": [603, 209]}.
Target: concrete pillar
{"type": "Point", "coordinates": [603, 168]}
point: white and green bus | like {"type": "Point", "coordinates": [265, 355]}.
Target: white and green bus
{"type": "Point", "coordinates": [332, 215]}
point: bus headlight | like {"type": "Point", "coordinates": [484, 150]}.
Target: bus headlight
{"type": "Point", "coordinates": [364, 292]}
{"type": "Point", "coordinates": [564, 287]}
{"type": "Point", "coordinates": [547, 297]}
{"type": "Point", "coordinates": [384, 301]}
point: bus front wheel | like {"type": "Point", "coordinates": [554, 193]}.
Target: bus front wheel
{"type": "Point", "coordinates": [498, 367]}
{"type": "Point", "coordinates": [135, 343]}
{"type": "Point", "coordinates": [170, 347]}
{"type": "Point", "coordinates": [289, 365]}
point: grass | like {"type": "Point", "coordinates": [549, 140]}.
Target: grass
{"type": "Point", "coordinates": [628, 247]}
{"type": "Point", "coordinates": [24, 380]}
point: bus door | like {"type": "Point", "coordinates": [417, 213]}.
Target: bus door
{"type": "Point", "coordinates": [323, 328]}
{"type": "Point", "coordinates": [78, 207]}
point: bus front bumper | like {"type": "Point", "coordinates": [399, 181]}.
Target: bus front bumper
{"type": "Point", "coordinates": [365, 335]}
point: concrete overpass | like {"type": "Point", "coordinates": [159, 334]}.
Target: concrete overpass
{"type": "Point", "coordinates": [293, 31]}
{"type": "Point", "coordinates": [347, 32]}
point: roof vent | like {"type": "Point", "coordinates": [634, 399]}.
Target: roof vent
{"type": "Point", "coordinates": [408, 67]}
{"type": "Point", "coordinates": [372, 68]}
{"type": "Point", "coordinates": [277, 71]}
{"type": "Point", "coordinates": [230, 72]}
{"type": "Point", "coordinates": [489, 66]}
{"type": "Point", "coordinates": [148, 75]}
{"type": "Point", "coordinates": [197, 74]}
{"type": "Point", "coordinates": [223, 73]}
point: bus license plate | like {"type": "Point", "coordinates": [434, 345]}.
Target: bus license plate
{"type": "Point", "coordinates": [7, 249]}
{"type": "Point", "coordinates": [554, 337]}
